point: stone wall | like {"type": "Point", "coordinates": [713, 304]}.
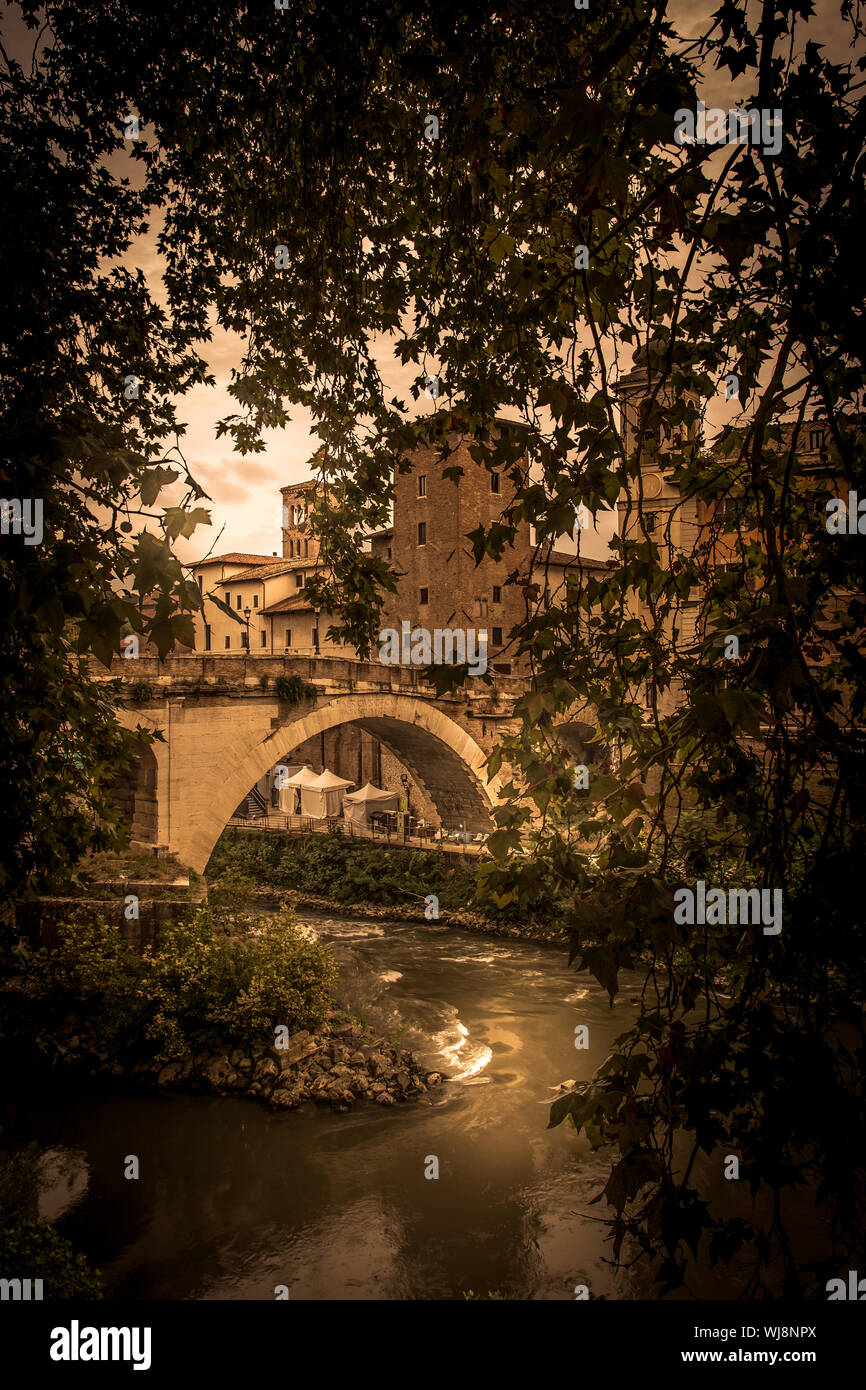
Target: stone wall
{"type": "Point", "coordinates": [39, 919]}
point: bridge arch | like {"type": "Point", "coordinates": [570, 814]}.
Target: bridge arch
{"type": "Point", "coordinates": [215, 750]}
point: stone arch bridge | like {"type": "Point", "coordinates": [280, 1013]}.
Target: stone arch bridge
{"type": "Point", "coordinates": [223, 728]}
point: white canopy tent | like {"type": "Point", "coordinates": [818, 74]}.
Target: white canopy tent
{"type": "Point", "coordinates": [358, 805]}
{"type": "Point", "coordinates": [288, 792]}
{"type": "Point", "coordinates": [323, 796]}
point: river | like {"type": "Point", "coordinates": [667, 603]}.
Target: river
{"type": "Point", "coordinates": [234, 1200]}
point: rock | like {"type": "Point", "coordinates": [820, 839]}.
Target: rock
{"type": "Point", "coordinates": [325, 1064]}
{"type": "Point", "coordinates": [341, 1070]}
{"type": "Point", "coordinates": [217, 1072]}
{"type": "Point", "coordinates": [384, 1099]}
{"type": "Point", "coordinates": [266, 1067]}
{"type": "Point", "coordinates": [378, 1087]}
{"type": "Point", "coordinates": [314, 1070]}
{"type": "Point", "coordinates": [301, 1045]}
{"type": "Point", "coordinates": [402, 1079]}
{"type": "Point", "coordinates": [434, 1078]}
{"type": "Point", "coordinates": [169, 1074]}
{"type": "Point", "coordinates": [357, 1059]}
{"type": "Point", "coordinates": [377, 1065]}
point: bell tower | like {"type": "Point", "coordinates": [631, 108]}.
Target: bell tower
{"type": "Point", "coordinates": [657, 423]}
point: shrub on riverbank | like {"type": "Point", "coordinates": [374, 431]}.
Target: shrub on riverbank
{"type": "Point", "coordinates": [199, 987]}
{"type": "Point", "coordinates": [348, 871]}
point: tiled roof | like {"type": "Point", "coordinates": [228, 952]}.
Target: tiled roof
{"type": "Point", "coordinates": [235, 557]}
{"type": "Point", "coordinates": [271, 570]}
{"type": "Point", "coordinates": [266, 571]}
{"type": "Point", "coordinates": [563, 557]}
{"type": "Point", "coordinates": [295, 603]}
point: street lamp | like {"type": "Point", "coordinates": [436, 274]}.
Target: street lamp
{"type": "Point", "coordinates": [407, 820]}
{"type": "Point", "coordinates": [247, 612]}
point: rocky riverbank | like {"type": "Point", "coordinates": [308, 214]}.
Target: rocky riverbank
{"type": "Point", "coordinates": [448, 917]}
{"type": "Point", "coordinates": [340, 1066]}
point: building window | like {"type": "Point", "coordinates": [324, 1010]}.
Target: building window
{"type": "Point", "coordinates": [255, 600]}
{"type": "Point", "coordinates": [264, 639]}
{"type": "Point", "coordinates": [389, 552]}
{"type": "Point", "coordinates": [238, 604]}
{"type": "Point", "coordinates": [291, 549]}
{"type": "Point", "coordinates": [422, 532]}
{"type": "Point", "coordinates": [199, 581]}
{"type": "Point", "coordinates": [422, 595]}
{"type": "Point", "coordinates": [494, 482]}
{"type": "Point", "coordinates": [299, 579]}
{"type": "Point", "coordinates": [306, 547]}
{"type": "Point", "coordinates": [497, 637]}
{"type": "Point", "coordinates": [207, 637]}
{"type": "Point", "coordinates": [315, 639]}
{"type": "Point", "coordinates": [422, 485]}
{"type": "Point", "coordinates": [650, 521]}
{"type": "Point", "coordinates": [481, 608]}
{"type": "Point", "coordinates": [816, 439]}
{"type": "Point", "coordinates": [497, 594]}
{"type": "Point", "coordinates": [288, 636]}
{"type": "Point", "coordinates": [228, 643]}
{"type": "Point", "coordinates": [245, 641]}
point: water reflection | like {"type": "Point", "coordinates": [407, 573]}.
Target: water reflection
{"type": "Point", "coordinates": [233, 1200]}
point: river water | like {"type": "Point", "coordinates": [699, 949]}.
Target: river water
{"type": "Point", "coordinates": [234, 1200]}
